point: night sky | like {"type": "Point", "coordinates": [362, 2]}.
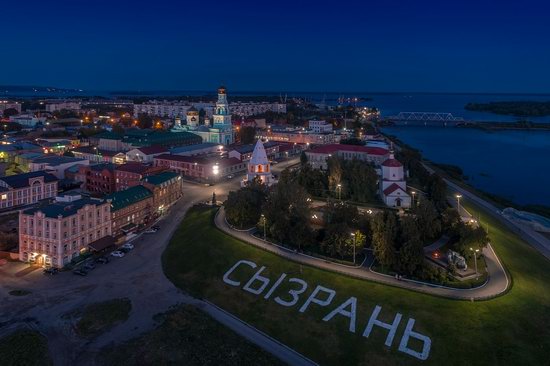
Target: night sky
{"type": "Point", "coordinates": [441, 46]}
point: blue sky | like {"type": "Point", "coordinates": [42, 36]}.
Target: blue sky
{"type": "Point", "coordinates": [341, 46]}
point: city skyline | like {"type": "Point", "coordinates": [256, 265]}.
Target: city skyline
{"type": "Point", "coordinates": [423, 47]}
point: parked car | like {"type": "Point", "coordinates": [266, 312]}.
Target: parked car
{"type": "Point", "coordinates": [50, 271]}
{"type": "Point", "coordinates": [80, 272]}
{"type": "Point", "coordinates": [150, 231]}
{"type": "Point", "coordinates": [229, 176]}
{"type": "Point", "coordinates": [156, 227]}
{"type": "Point", "coordinates": [128, 246]}
{"type": "Point", "coordinates": [102, 260]}
{"type": "Point", "coordinates": [89, 266]}
{"type": "Point", "coordinates": [117, 253]}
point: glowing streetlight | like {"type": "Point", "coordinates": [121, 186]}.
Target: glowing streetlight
{"type": "Point", "coordinates": [414, 194]}
{"type": "Point", "coordinates": [354, 238]}
{"type": "Point", "coordinates": [339, 187]}
{"type": "Point", "coordinates": [263, 220]}
{"type": "Point", "coordinates": [475, 257]}
{"type": "Point", "coordinates": [458, 197]}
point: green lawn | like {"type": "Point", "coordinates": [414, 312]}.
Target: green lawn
{"type": "Point", "coordinates": [513, 329]}
{"type": "Point", "coordinates": [98, 317]}
{"type": "Point", "coordinates": [24, 348]}
{"type": "Point", "coordinates": [187, 336]}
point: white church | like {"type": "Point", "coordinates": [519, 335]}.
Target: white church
{"type": "Point", "coordinates": [393, 186]}
{"type": "Point", "coordinates": [259, 167]}
{"type": "Point", "coordinates": [221, 131]}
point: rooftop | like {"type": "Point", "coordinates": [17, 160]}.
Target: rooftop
{"type": "Point", "coordinates": [133, 168]}
{"type": "Point", "coordinates": [188, 148]}
{"type": "Point", "coordinates": [64, 209]}
{"type": "Point", "coordinates": [150, 150]}
{"type": "Point", "coordinates": [54, 160]}
{"type": "Point", "coordinates": [128, 197]}
{"type": "Point", "coordinates": [333, 148]}
{"type": "Point", "coordinates": [160, 178]}
{"type": "Point", "coordinates": [22, 180]}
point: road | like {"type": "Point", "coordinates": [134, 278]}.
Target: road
{"type": "Point", "coordinates": [496, 284]}
{"type": "Point", "coordinates": [534, 239]}
{"type": "Point", "coordinates": [138, 276]}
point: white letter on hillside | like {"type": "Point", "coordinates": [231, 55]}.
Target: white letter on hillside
{"type": "Point", "coordinates": [426, 341]}
{"type": "Point", "coordinates": [351, 314]}
{"type": "Point", "coordinates": [226, 275]}
{"type": "Point", "coordinates": [294, 293]}
{"type": "Point", "coordinates": [275, 285]}
{"type": "Point", "coordinates": [312, 299]}
{"type": "Point", "coordinates": [391, 327]}
{"type": "Point", "coordinates": [257, 277]}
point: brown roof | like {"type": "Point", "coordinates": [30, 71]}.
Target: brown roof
{"type": "Point", "coordinates": [103, 243]}
{"type": "Point", "coordinates": [150, 150]}
{"type": "Point", "coordinates": [137, 168]}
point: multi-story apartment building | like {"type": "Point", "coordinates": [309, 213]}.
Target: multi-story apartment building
{"type": "Point", "coordinates": [26, 188]}
{"type": "Point", "coordinates": [130, 174]}
{"type": "Point", "coordinates": [57, 105]}
{"type": "Point", "coordinates": [164, 108]}
{"type": "Point", "coordinates": [130, 208]}
{"type": "Point", "coordinates": [167, 188]}
{"type": "Point", "coordinates": [255, 108]}
{"type": "Point", "coordinates": [98, 179]}
{"type": "Point", "coordinates": [55, 234]}
{"type": "Point", "coordinates": [320, 126]}
{"type": "Point", "coordinates": [6, 104]}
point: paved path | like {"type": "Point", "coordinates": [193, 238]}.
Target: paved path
{"type": "Point", "coordinates": [535, 239]}
{"type": "Point", "coordinates": [496, 284]}
{"type": "Point", "coordinates": [138, 276]}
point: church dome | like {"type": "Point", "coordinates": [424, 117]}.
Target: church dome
{"type": "Point", "coordinates": [392, 163]}
{"type": "Point", "coordinates": [192, 110]}
{"type": "Point", "coordinates": [221, 90]}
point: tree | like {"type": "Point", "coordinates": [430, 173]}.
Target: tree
{"type": "Point", "coordinates": [244, 207]}
{"type": "Point", "coordinates": [411, 253]}
{"type": "Point", "coordinates": [437, 190]}
{"type": "Point", "coordinates": [427, 219]}
{"type": "Point", "coordinates": [384, 234]}
{"type": "Point", "coordinates": [145, 121]}
{"type": "Point", "coordinates": [471, 237]}
{"type": "Point", "coordinates": [287, 212]}
{"type": "Point", "coordinates": [451, 221]}
{"type": "Point", "coordinates": [247, 135]}
{"type": "Point", "coordinates": [8, 112]}
{"type": "Point", "coordinates": [337, 213]}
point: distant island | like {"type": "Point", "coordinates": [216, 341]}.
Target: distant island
{"type": "Point", "coordinates": [518, 108]}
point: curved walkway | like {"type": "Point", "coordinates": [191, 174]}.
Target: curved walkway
{"type": "Point", "coordinates": [497, 282]}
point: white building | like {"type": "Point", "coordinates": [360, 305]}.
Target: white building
{"type": "Point", "coordinates": [259, 167]}
{"type": "Point", "coordinates": [393, 187]}
{"type": "Point", "coordinates": [27, 120]}
{"type": "Point", "coordinates": [320, 126]}
{"type": "Point", "coordinates": [255, 108]}
{"type": "Point", "coordinates": [145, 154]}
{"type": "Point", "coordinates": [5, 104]}
{"type": "Point", "coordinates": [55, 164]}
{"type": "Point", "coordinates": [57, 105]}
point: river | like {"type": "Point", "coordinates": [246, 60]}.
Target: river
{"type": "Point", "coordinates": [512, 164]}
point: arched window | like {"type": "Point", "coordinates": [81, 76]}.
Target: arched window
{"type": "Point", "coordinates": [260, 168]}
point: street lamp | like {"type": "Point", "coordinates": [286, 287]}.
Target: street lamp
{"type": "Point", "coordinates": [263, 220]}
{"type": "Point", "coordinates": [458, 197]}
{"type": "Point", "coordinates": [354, 238]}
{"type": "Point", "coordinates": [414, 194]}
{"type": "Point", "coordinates": [475, 257]}
{"type": "Point", "coordinates": [339, 187]}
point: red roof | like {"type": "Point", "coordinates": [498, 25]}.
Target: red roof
{"type": "Point", "coordinates": [393, 163]}
{"type": "Point", "coordinates": [151, 150]}
{"type": "Point", "coordinates": [333, 148]}
{"type": "Point", "coordinates": [392, 188]}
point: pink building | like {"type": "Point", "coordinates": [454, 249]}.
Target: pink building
{"type": "Point", "coordinates": [318, 156]}
{"type": "Point", "coordinates": [55, 234]}
{"type": "Point", "coordinates": [27, 188]}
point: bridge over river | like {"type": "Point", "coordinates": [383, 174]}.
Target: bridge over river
{"type": "Point", "coordinates": [425, 119]}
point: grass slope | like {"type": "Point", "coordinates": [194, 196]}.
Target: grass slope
{"type": "Point", "coordinates": [24, 348]}
{"type": "Point", "coordinates": [512, 329]}
{"type": "Point", "coordinates": [98, 317]}
{"type": "Point", "coordinates": [187, 336]}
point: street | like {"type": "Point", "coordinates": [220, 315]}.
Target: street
{"type": "Point", "coordinates": [137, 276]}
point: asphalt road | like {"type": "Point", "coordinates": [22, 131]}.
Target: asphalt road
{"type": "Point", "coordinates": [138, 276]}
